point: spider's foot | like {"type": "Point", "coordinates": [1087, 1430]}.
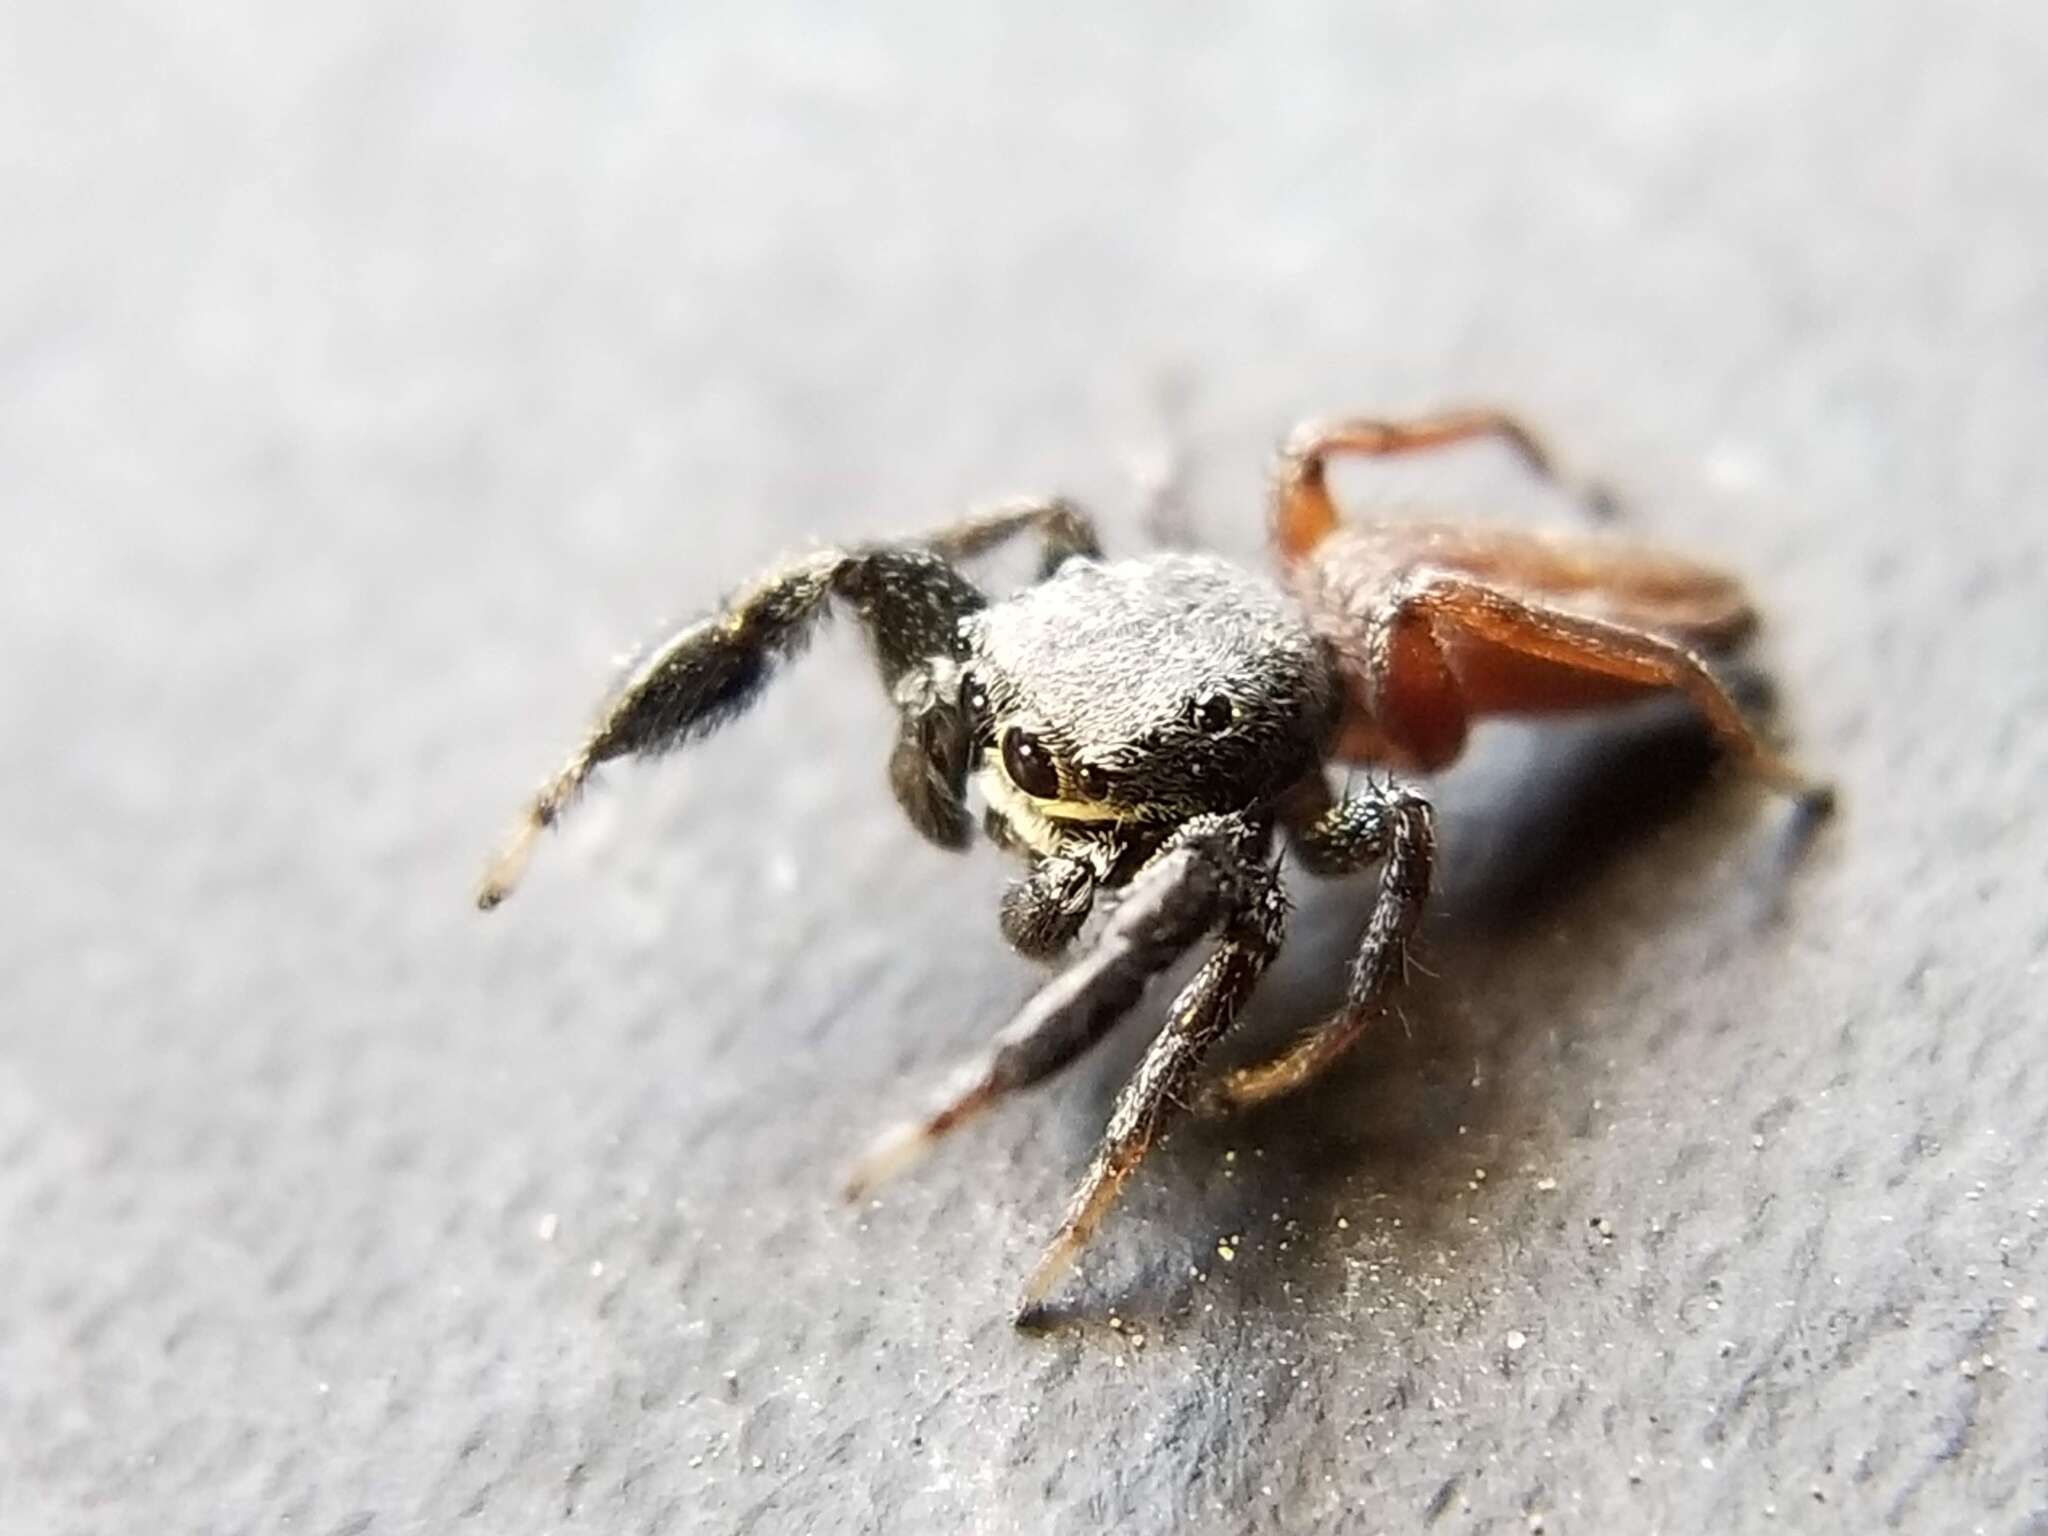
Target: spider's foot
{"type": "Point", "coordinates": [1090, 1206]}
{"type": "Point", "coordinates": [887, 1155]}
{"type": "Point", "coordinates": [1815, 802]}
{"type": "Point", "coordinates": [1032, 1317]}
{"type": "Point", "coordinates": [1813, 799]}
{"type": "Point", "coordinates": [906, 1143]}
{"type": "Point", "coordinates": [1248, 1087]}
{"type": "Point", "coordinates": [1215, 1101]}
{"type": "Point", "coordinates": [502, 877]}
{"type": "Point", "coordinates": [1052, 1268]}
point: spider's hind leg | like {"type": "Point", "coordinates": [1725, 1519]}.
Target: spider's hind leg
{"type": "Point", "coordinates": [1508, 646]}
{"type": "Point", "coordinates": [1303, 511]}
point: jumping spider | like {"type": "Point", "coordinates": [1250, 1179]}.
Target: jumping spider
{"type": "Point", "coordinates": [1143, 726]}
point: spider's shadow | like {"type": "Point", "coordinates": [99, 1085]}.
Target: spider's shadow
{"type": "Point", "coordinates": [1525, 843]}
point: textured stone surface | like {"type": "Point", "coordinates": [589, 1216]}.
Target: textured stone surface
{"type": "Point", "coordinates": [370, 374]}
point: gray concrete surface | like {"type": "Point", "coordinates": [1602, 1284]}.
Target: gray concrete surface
{"type": "Point", "coordinates": [370, 375]}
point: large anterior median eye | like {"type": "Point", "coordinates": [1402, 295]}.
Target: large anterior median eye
{"type": "Point", "coordinates": [1029, 765]}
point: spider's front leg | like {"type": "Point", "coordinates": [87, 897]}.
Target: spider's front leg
{"type": "Point", "coordinates": [1208, 868]}
{"type": "Point", "coordinates": [908, 597]}
{"type": "Point", "coordinates": [1252, 925]}
{"type": "Point", "coordinates": [1387, 825]}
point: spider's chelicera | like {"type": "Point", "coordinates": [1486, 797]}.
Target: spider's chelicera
{"type": "Point", "coordinates": [1146, 726]}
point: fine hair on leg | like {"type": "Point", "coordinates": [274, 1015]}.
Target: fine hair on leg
{"type": "Point", "coordinates": [1396, 827]}
{"type": "Point", "coordinates": [910, 600]}
{"type": "Point", "coordinates": [1203, 872]}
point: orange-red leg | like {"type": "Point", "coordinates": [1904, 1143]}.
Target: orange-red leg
{"type": "Point", "coordinates": [1302, 509]}
{"type": "Point", "coordinates": [1500, 648]}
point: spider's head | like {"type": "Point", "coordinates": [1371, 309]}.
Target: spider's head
{"type": "Point", "coordinates": [1144, 691]}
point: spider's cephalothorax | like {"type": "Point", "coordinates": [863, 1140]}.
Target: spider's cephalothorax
{"type": "Point", "coordinates": [1110, 704]}
{"type": "Point", "coordinates": [1145, 726]}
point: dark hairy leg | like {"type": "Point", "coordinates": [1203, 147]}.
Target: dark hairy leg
{"type": "Point", "coordinates": [1063, 529]}
{"type": "Point", "coordinates": [1165, 1079]}
{"type": "Point", "coordinates": [1388, 825]}
{"type": "Point", "coordinates": [1210, 867]}
{"type": "Point", "coordinates": [910, 600]}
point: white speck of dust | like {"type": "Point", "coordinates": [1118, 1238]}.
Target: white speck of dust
{"type": "Point", "coordinates": [1225, 1252]}
{"type": "Point", "coordinates": [1545, 1186]}
{"type": "Point", "coordinates": [596, 1268]}
{"type": "Point", "coordinates": [2028, 1303]}
{"type": "Point", "coordinates": [546, 1228]}
{"type": "Point", "coordinates": [1516, 1339]}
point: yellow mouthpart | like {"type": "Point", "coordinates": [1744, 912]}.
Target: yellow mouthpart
{"type": "Point", "coordinates": [1034, 819]}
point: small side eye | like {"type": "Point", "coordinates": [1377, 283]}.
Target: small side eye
{"type": "Point", "coordinates": [1092, 781]}
{"type": "Point", "coordinates": [973, 700]}
{"type": "Point", "coordinates": [1213, 713]}
{"type": "Point", "coordinates": [1029, 765]}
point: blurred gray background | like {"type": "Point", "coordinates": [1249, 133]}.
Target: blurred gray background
{"type": "Point", "coordinates": [371, 375]}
